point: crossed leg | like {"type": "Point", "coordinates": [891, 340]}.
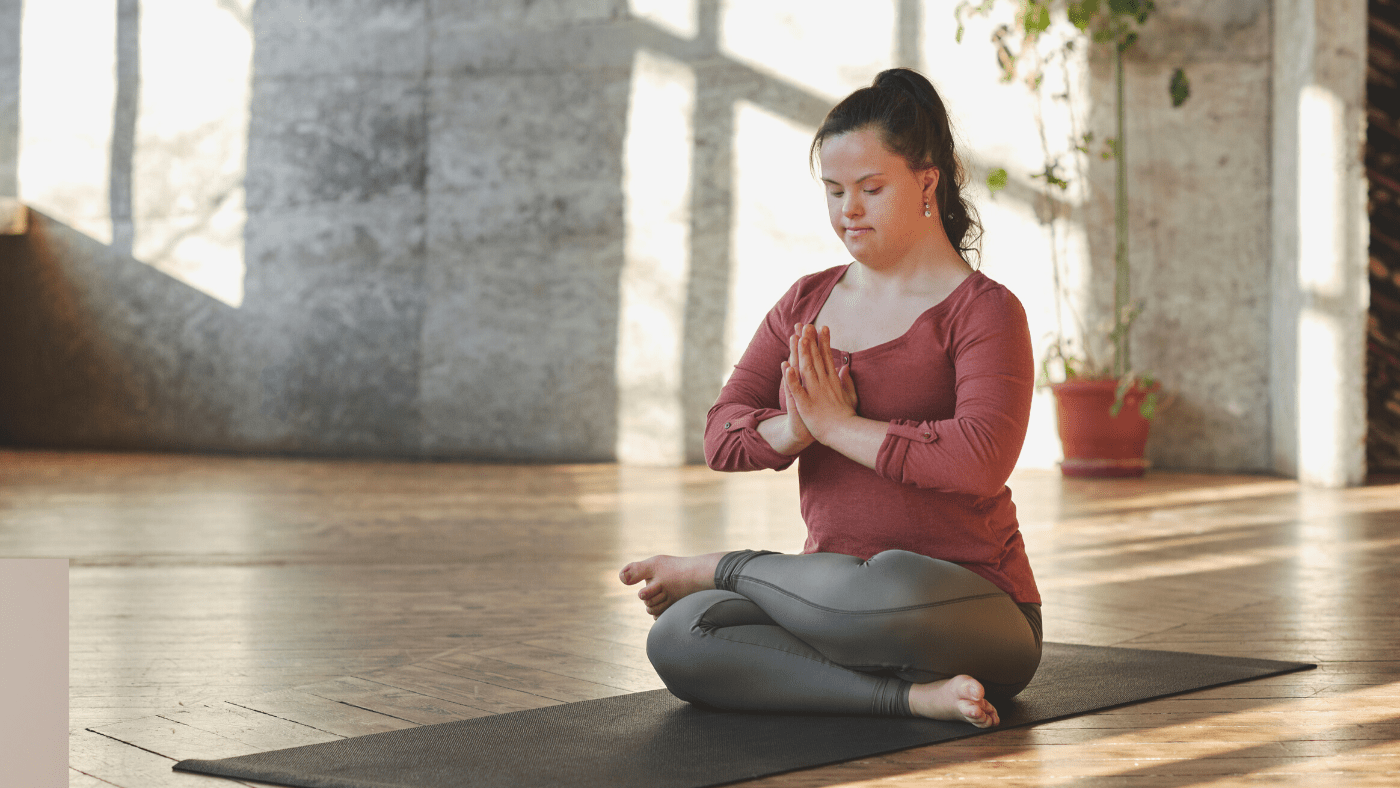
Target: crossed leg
{"type": "Point", "coordinates": [898, 634]}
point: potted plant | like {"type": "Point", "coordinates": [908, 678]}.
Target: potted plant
{"type": "Point", "coordinates": [1104, 409]}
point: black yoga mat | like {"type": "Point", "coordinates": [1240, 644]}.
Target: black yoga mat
{"type": "Point", "coordinates": [652, 740]}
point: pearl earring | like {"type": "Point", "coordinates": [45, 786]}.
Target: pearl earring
{"type": "Point", "coordinates": [927, 212]}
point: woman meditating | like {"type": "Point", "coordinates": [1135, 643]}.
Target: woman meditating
{"type": "Point", "coordinates": [903, 381]}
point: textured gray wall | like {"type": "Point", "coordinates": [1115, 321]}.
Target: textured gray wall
{"type": "Point", "coordinates": [334, 289]}
{"type": "Point", "coordinates": [1199, 227]}
{"type": "Point", "coordinates": [435, 232]}
{"type": "Point", "coordinates": [433, 243]}
{"type": "Point", "coordinates": [9, 94]}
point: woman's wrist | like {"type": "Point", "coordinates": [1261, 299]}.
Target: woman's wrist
{"type": "Point", "coordinates": [856, 437]}
{"type": "Point", "coordinates": [780, 435]}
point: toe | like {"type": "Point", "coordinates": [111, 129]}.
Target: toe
{"type": "Point", "coordinates": [636, 572]}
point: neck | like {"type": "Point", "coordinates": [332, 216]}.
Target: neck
{"type": "Point", "coordinates": [931, 260]}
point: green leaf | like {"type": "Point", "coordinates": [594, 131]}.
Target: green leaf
{"type": "Point", "coordinates": [1051, 177]}
{"type": "Point", "coordinates": [1082, 13]}
{"type": "Point", "coordinates": [1137, 9]}
{"type": "Point", "coordinates": [1148, 406]}
{"type": "Point", "coordinates": [996, 180]}
{"type": "Point", "coordinates": [1036, 18]}
{"type": "Point", "coordinates": [1180, 88]}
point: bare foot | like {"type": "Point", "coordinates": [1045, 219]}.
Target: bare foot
{"type": "Point", "coordinates": [669, 578]}
{"type": "Point", "coordinates": [960, 698]}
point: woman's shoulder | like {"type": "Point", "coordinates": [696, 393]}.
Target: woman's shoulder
{"type": "Point", "coordinates": [980, 296]}
{"type": "Point", "coordinates": [811, 290]}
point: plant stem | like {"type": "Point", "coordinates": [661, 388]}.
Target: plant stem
{"type": "Point", "coordinates": [1121, 290]}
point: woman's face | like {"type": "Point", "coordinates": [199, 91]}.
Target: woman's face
{"type": "Point", "coordinates": [876, 203]}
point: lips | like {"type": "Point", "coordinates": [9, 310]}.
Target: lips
{"type": "Point", "coordinates": [856, 232]}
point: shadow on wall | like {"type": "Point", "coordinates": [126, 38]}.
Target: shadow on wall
{"type": "Point", "coordinates": [102, 351]}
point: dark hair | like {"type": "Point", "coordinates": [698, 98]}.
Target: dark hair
{"type": "Point", "coordinates": [911, 119]}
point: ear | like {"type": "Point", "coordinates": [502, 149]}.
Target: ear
{"type": "Point", "coordinates": [929, 179]}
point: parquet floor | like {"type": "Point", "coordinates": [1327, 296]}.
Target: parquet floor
{"type": "Point", "coordinates": [226, 605]}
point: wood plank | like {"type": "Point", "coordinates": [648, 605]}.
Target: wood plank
{"type": "Point", "coordinates": [77, 779]}
{"type": "Point", "coordinates": [593, 648]}
{"type": "Point", "coordinates": [518, 677]}
{"type": "Point", "coordinates": [392, 701]}
{"type": "Point", "coordinates": [334, 717]}
{"type": "Point", "coordinates": [457, 689]}
{"type": "Point", "coordinates": [113, 762]}
{"type": "Point", "coordinates": [213, 580]}
{"type": "Point", "coordinates": [170, 741]}
{"type": "Point", "coordinates": [608, 674]}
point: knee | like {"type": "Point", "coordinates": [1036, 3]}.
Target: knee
{"type": "Point", "coordinates": [667, 642]}
{"type": "Point", "coordinates": [674, 644]}
{"type": "Point", "coordinates": [1013, 678]}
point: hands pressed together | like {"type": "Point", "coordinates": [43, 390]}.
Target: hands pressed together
{"type": "Point", "coordinates": [819, 396]}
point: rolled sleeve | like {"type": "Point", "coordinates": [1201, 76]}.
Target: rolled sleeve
{"type": "Point", "coordinates": [894, 450]}
{"type": "Point", "coordinates": [736, 444]}
{"type": "Point", "coordinates": [975, 450]}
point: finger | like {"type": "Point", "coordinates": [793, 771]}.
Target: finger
{"type": "Point", "coordinates": [821, 367]}
{"type": "Point", "coordinates": [804, 353]}
{"type": "Point", "coordinates": [826, 349]}
{"type": "Point", "coordinates": [793, 381]}
{"type": "Point", "coordinates": [799, 399]}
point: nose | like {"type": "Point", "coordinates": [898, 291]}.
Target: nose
{"type": "Point", "coordinates": [851, 206]}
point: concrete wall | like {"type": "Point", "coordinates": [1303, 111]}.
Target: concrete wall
{"type": "Point", "coordinates": [9, 95]}
{"type": "Point", "coordinates": [1198, 229]}
{"type": "Point", "coordinates": [545, 230]}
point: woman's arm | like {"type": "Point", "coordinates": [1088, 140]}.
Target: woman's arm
{"type": "Point", "coordinates": [994, 380]}
{"type": "Point", "coordinates": [751, 425]}
{"type": "Point", "coordinates": [973, 452]}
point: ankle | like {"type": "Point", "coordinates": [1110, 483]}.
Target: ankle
{"type": "Point", "coordinates": [731, 564]}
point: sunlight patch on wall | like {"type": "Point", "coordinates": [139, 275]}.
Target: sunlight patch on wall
{"type": "Point", "coordinates": [67, 89]}
{"type": "Point", "coordinates": [656, 181]}
{"type": "Point", "coordinates": [826, 46]}
{"type": "Point", "coordinates": [183, 171]}
{"type": "Point", "coordinates": [680, 17]}
{"type": "Point", "coordinates": [1331, 420]}
{"type": "Point", "coordinates": [192, 140]}
{"type": "Point", "coordinates": [780, 226]}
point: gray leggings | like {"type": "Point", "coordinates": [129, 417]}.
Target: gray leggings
{"type": "Point", "coordinates": [830, 633]}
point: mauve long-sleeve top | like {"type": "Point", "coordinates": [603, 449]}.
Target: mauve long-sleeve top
{"type": "Point", "coordinates": [956, 390]}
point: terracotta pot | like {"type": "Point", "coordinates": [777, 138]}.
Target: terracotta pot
{"type": "Point", "coordinates": [1096, 443]}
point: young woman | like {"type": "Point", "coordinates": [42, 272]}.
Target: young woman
{"type": "Point", "coordinates": [903, 380]}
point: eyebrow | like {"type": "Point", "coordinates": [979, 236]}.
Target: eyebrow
{"type": "Point", "coordinates": [860, 180]}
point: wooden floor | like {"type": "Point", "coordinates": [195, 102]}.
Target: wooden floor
{"type": "Point", "coordinates": [223, 606]}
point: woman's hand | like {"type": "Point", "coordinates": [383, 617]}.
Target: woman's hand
{"type": "Point", "coordinates": [820, 394]}
{"type": "Point", "coordinates": [796, 426]}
